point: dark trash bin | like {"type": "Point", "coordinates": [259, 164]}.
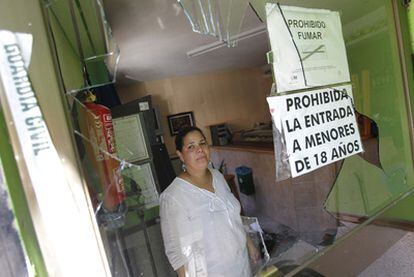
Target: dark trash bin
{"type": "Point", "coordinates": [245, 179]}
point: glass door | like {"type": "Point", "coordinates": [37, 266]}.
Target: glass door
{"type": "Point", "coordinates": [369, 194]}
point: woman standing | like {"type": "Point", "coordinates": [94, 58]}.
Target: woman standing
{"type": "Point", "coordinates": [200, 218]}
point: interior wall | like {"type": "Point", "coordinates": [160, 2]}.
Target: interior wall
{"type": "Point", "coordinates": [237, 97]}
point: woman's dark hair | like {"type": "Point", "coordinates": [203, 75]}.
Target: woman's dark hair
{"type": "Point", "coordinates": [179, 139]}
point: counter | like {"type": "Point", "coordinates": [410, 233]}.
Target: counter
{"type": "Point", "coordinates": [297, 203]}
{"type": "Point", "coordinates": [246, 148]}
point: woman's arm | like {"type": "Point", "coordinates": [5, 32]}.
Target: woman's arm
{"type": "Point", "coordinates": [181, 271]}
{"type": "Point", "coordinates": [170, 214]}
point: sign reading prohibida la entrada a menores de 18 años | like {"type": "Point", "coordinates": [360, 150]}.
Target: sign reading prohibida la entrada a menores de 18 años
{"type": "Point", "coordinates": [308, 47]}
{"type": "Point", "coordinates": [319, 127]}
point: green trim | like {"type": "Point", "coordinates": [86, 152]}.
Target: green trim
{"type": "Point", "coordinates": [407, 30]}
{"type": "Point", "coordinates": [19, 202]}
{"type": "Point", "coordinates": [403, 209]}
{"type": "Point", "coordinates": [410, 23]}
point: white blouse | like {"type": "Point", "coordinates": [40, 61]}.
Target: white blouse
{"type": "Point", "coordinates": [203, 230]}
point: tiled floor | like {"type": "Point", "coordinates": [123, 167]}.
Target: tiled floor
{"type": "Point", "coordinates": [398, 261]}
{"type": "Point", "coordinates": [372, 261]}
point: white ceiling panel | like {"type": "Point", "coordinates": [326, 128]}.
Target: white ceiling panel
{"type": "Point", "coordinates": [154, 37]}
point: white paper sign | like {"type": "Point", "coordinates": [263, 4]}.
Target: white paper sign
{"type": "Point", "coordinates": [308, 47]}
{"type": "Point", "coordinates": [319, 127]}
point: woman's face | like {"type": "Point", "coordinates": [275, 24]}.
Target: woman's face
{"type": "Point", "coordinates": [195, 153]}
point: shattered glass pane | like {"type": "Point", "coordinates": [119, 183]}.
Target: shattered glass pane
{"type": "Point", "coordinates": [84, 44]}
{"type": "Point", "coordinates": [222, 19]}
{"type": "Point", "coordinates": [118, 178]}
{"type": "Point", "coordinates": [255, 234]}
{"type": "Point", "coordinates": [356, 199]}
{"type": "Point", "coordinates": [124, 195]}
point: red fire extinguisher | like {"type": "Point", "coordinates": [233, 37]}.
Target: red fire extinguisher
{"type": "Point", "coordinates": [98, 128]}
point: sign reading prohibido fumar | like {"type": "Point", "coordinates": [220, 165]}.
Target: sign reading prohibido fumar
{"type": "Point", "coordinates": [308, 47]}
{"type": "Point", "coordinates": [319, 127]}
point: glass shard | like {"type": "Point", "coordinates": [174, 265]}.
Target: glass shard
{"type": "Point", "coordinates": [218, 18]}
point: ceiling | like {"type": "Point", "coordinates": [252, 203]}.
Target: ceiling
{"type": "Point", "coordinates": [155, 35]}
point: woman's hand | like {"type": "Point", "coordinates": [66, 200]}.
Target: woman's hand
{"type": "Point", "coordinates": [253, 251]}
{"type": "Point", "coordinates": [181, 271]}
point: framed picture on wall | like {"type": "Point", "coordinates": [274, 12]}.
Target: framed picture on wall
{"type": "Point", "coordinates": [178, 121]}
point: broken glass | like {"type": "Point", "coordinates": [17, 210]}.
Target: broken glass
{"type": "Point", "coordinates": [124, 195]}
{"type": "Point", "coordinates": [84, 44]}
{"type": "Point", "coordinates": [222, 19]}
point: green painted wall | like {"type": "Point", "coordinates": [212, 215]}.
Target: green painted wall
{"type": "Point", "coordinates": [91, 42]}
{"type": "Point", "coordinates": [69, 62]}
